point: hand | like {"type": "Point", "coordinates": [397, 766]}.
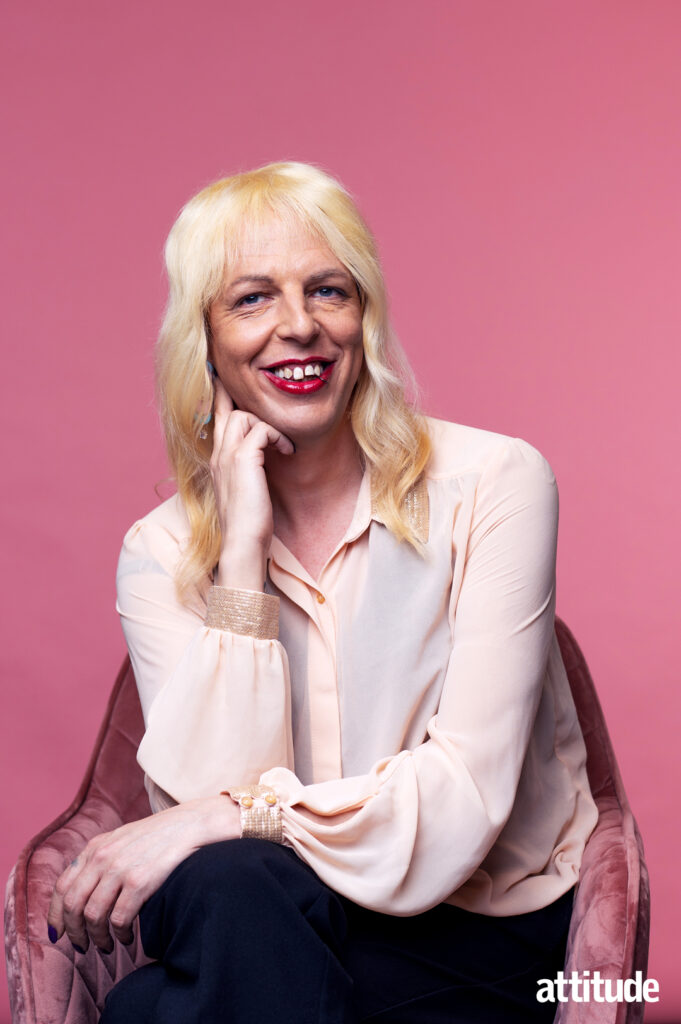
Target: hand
{"type": "Point", "coordinates": [241, 492]}
{"type": "Point", "coordinates": [118, 871]}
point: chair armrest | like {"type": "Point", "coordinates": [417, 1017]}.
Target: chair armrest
{"type": "Point", "coordinates": [607, 932]}
{"type": "Point", "coordinates": [52, 984]}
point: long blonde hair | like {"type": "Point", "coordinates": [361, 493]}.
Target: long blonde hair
{"type": "Point", "coordinates": [203, 241]}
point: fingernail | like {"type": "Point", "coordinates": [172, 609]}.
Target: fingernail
{"type": "Point", "coordinates": [52, 933]}
{"type": "Point", "coordinates": [77, 948]}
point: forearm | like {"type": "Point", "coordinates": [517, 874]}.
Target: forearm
{"type": "Point", "coordinates": [242, 568]}
{"type": "Point", "coordinates": [222, 718]}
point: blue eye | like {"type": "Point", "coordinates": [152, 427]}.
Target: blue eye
{"type": "Point", "coordinates": [249, 300]}
{"type": "Point", "coordinates": [327, 291]}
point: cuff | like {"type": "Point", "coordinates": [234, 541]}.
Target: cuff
{"type": "Point", "coordinates": [248, 612]}
{"type": "Point", "coordinates": [260, 812]}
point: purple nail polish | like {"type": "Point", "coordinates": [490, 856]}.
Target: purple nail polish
{"type": "Point", "coordinates": [52, 933]}
{"type": "Point", "coordinates": [77, 948]}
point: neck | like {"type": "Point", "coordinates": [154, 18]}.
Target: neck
{"type": "Point", "coordinates": [315, 479]}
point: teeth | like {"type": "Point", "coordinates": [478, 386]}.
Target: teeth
{"type": "Point", "coordinates": [299, 372]}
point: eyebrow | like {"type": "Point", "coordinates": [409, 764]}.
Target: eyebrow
{"type": "Point", "coordinates": [321, 275]}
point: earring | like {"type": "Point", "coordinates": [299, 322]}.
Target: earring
{"type": "Point", "coordinates": [203, 433]}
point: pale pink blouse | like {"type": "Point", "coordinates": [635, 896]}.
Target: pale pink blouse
{"type": "Point", "coordinates": [414, 716]}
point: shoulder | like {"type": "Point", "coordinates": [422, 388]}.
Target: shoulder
{"type": "Point", "coordinates": [157, 540]}
{"type": "Point", "coordinates": [460, 450]}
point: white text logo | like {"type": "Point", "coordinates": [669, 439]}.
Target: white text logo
{"type": "Point", "coordinates": [582, 988]}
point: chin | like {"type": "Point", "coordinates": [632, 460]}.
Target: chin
{"type": "Point", "coordinates": [301, 432]}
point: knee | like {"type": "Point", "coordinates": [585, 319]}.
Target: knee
{"type": "Point", "coordinates": [133, 998]}
{"type": "Point", "coordinates": [237, 866]}
{"type": "Point", "coordinates": [216, 883]}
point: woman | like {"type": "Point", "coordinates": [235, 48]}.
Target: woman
{"type": "Point", "coordinates": [402, 770]}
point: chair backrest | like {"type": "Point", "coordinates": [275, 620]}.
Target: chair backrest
{"type": "Point", "coordinates": [610, 925]}
{"type": "Point", "coordinates": [115, 775]}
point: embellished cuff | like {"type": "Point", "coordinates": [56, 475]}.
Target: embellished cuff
{"type": "Point", "coordinates": [248, 612]}
{"type": "Point", "coordinates": [260, 812]}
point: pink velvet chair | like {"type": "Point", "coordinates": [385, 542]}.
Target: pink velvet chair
{"type": "Point", "coordinates": [53, 985]}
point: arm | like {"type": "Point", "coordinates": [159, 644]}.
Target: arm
{"type": "Point", "coordinates": [192, 677]}
{"type": "Point", "coordinates": [222, 694]}
{"type": "Point", "coordinates": [216, 703]}
{"type": "Point", "coordinates": [401, 838]}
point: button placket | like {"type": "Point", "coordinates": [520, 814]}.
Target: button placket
{"type": "Point", "coordinates": [324, 707]}
{"type": "Point", "coordinates": [315, 599]}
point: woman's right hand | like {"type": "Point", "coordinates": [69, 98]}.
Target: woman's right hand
{"type": "Point", "coordinates": [242, 496]}
{"type": "Point", "coordinates": [118, 871]}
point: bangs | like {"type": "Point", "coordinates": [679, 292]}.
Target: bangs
{"type": "Point", "coordinates": [250, 221]}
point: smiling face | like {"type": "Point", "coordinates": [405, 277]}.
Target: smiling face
{"type": "Point", "coordinates": [286, 332]}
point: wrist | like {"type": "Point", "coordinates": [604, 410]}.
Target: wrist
{"type": "Point", "coordinates": [260, 811]}
{"type": "Point", "coordinates": [222, 820]}
{"type": "Point", "coordinates": [242, 570]}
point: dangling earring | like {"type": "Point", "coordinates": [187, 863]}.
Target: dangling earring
{"type": "Point", "coordinates": [204, 434]}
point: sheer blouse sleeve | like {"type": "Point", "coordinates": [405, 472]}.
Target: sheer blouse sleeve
{"type": "Point", "coordinates": [216, 703]}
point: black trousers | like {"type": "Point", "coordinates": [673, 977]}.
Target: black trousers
{"type": "Point", "coordinates": [245, 933]}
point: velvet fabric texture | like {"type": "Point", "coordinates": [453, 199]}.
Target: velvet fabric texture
{"type": "Point", "coordinates": [48, 984]}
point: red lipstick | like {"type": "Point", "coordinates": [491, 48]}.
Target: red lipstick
{"type": "Point", "coordinates": [307, 385]}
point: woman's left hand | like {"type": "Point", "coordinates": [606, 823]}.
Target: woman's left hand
{"type": "Point", "coordinates": [118, 871]}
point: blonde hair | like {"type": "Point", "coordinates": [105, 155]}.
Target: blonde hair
{"type": "Point", "coordinates": [203, 241]}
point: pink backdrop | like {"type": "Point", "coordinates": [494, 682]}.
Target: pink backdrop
{"type": "Point", "coordinates": [519, 162]}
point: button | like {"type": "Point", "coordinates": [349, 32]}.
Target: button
{"type": "Point", "coordinates": [320, 598]}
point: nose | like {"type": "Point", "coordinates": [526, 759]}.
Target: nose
{"type": "Point", "coordinates": [297, 321]}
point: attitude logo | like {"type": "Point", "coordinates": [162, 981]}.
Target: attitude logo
{"type": "Point", "coordinates": [587, 987]}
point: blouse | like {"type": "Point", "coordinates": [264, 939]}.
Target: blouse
{"type": "Point", "coordinates": [414, 716]}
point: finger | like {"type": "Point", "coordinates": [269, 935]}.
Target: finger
{"type": "Point", "coordinates": [97, 911]}
{"type": "Point", "coordinates": [75, 900]}
{"type": "Point", "coordinates": [239, 426]}
{"type": "Point", "coordinates": [123, 933]}
{"type": "Point", "coordinates": [223, 406]}
{"type": "Point", "coordinates": [55, 912]}
{"type": "Point", "coordinates": [260, 434]}
{"type": "Point", "coordinates": [94, 866]}
{"type": "Point", "coordinates": [134, 892]}
{"type": "Point", "coordinates": [264, 435]}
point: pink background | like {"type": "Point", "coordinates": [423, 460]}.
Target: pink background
{"type": "Point", "coordinates": [520, 164]}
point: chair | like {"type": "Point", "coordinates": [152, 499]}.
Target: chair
{"type": "Point", "coordinates": [53, 985]}
{"type": "Point", "coordinates": [610, 925]}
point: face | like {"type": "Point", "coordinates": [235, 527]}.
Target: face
{"type": "Point", "coordinates": [286, 333]}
